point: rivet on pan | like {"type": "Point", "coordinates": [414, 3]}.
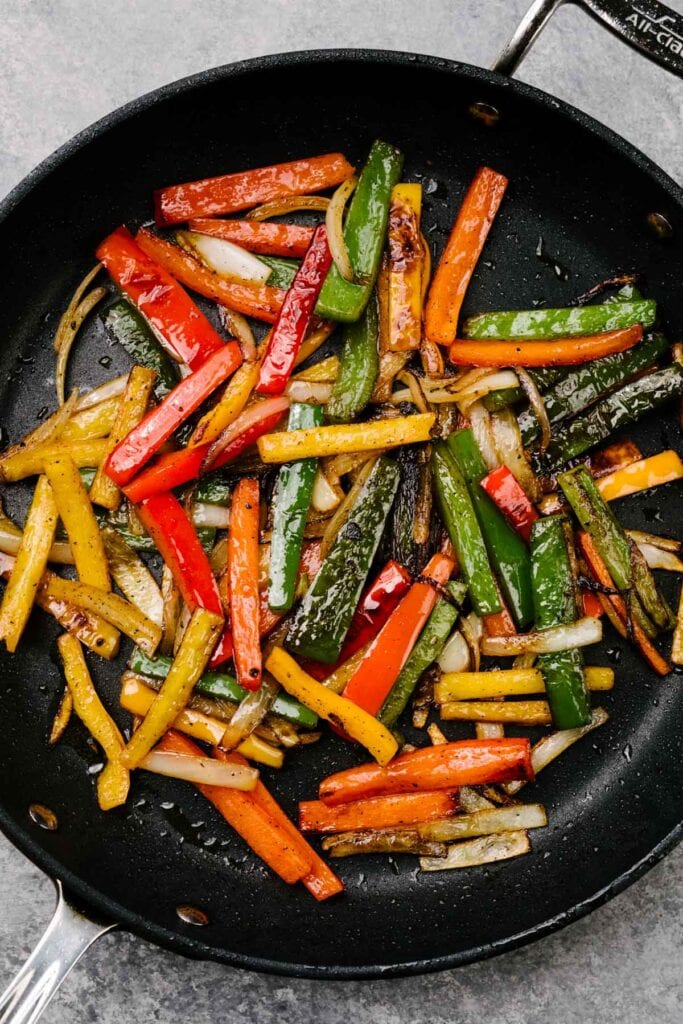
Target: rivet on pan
{"type": "Point", "coordinates": [192, 915]}
{"type": "Point", "coordinates": [43, 817]}
{"type": "Point", "coordinates": [484, 112]}
{"type": "Point", "coordinates": [660, 225]}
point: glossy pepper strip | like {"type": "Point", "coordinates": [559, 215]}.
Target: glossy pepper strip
{"type": "Point", "coordinates": [507, 551]}
{"type": "Point", "coordinates": [447, 766]}
{"type": "Point", "coordinates": [554, 604]}
{"type": "Point", "coordinates": [291, 502]}
{"type": "Point", "coordinates": [573, 321]}
{"type": "Point", "coordinates": [243, 582]}
{"type": "Point", "coordinates": [162, 301]}
{"type": "Point", "coordinates": [503, 489]}
{"type": "Point", "coordinates": [78, 519]}
{"type": "Point", "coordinates": [511, 682]}
{"type": "Point", "coordinates": [662, 468]}
{"type": "Point", "coordinates": [427, 649]}
{"type": "Point", "coordinates": [382, 663]}
{"type": "Point", "coordinates": [321, 621]}
{"type": "Point", "coordinates": [464, 530]}
{"type": "Point", "coordinates": [559, 352]}
{"type": "Point", "coordinates": [364, 234]}
{"type": "Point", "coordinates": [379, 812]}
{"type": "Point", "coordinates": [294, 316]}
{"type": "Point", "coordinates": [258, 236]}
{"type": "Point", "coordinates": [358, 724]}
{"type": "Point", "coordinates": [406, 259]}
{"type": "Point", "coordinates": [147, 437]}
{"type": "Point", "coordinates": [175, 538]}
{"type": "Point", "coordinates": [229, 193]}
{"type": "Point", "coordinates": [257, 300]}
{"type": "Point", "coordinates": [132, 331]}
{"type": "Point", "coordinates": [461, 254]}
{"type": "Point", "coordinates": [359, 360]}
{"type": "Point", "coordinates": [352, 437]}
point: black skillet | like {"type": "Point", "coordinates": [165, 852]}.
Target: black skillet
{"type": "Point", "coordinates": [616, 800]}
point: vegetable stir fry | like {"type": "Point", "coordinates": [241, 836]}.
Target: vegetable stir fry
{"type": "Point", "coordinates": [371, 512]}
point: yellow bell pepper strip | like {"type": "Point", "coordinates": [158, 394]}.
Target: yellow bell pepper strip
{"type": "Point", "coordinates": [355, 722]}
{"type": "Point", "coordinates": [509, 682]}
{"type": "Point", "coordinates": [131, 409]}
{"type": "Point", "coordinates": [406, 257]}
{"type": "Point", "coordinates": [114, 782]}
{"type": "Point", "coordinates": [108, 606]}
{"type": "Point", "coordinates": [519, 712]}
{"type": "Point", "coordinates": [31, 560]}
{"type": "Point", "coordinates": [62, 718]}
{"type": "Point", "coordinates": [640, 476]}
{"type": "Point", "coordinates": [132, 576]}
{"type": "Point", "coordinates": [460, 256]}
{"type": "Point", "coordinates": [677, 647]}
{"type": "Point", "coordinates": [193, 655]}
{"type": "Point", "coordinates": [138, 699]}
{"type": "Point", "coordinates": [91, 422]}
{"type": "Point", "coordinates": [231, 404]}
{"type": "Point", "coordinates": [31, 461]}
{"type": "Point", "coordinates": [317, 442]}
{"type": "Point", "coordinates": [78, 518]}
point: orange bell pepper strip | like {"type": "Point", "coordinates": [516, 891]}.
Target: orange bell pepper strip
{"type": "Point", "coordinates": [229, 193]}
{"type": "Point", "coordinates": [265, 837]}
{"type": "Point", "coordinates": [243, 573]}
{"type": "Point", "coordinates": [460, 256]}
{"type": "Point", "coordinates": [399, 810]}
{"type": "Point", "coordinates": [601, 574]}
{"type": "Point", "coordinates": [381, 665]}
{"type": "Point", "coordinates": [258, 236]}
{"type": "Point", "coordinates": [167, 306]}
{"type": "Point", "coordinates": [559, 352]}
{"type": "Point", "coordinates": [257, 300]}
{"type": "Point", "coordinates": [447, 766]}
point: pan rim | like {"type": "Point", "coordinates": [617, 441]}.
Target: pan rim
{"type": "Point", "coordinates": [21, 837]}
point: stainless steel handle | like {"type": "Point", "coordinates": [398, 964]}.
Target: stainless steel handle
{"type": "Point", "coordinates": [67, 937]}
{"type": "Point", "coordinates": [648, 25]}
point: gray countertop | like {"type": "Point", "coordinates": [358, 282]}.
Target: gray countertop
{"type": "Point", "coordinates": [66, 63]}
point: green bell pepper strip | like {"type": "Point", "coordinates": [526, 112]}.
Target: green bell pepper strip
{"type": "Point", "coordinates": [460, 520]}
{"type": "Point", "coordinates": [625, 567]}
{"type": "Point", "coordinates": [572, 321]}
{"type": "Point", "coordinates": [364, 233]}
{"type": "Point", "coordinates": [212, 490]}
{"type": "Point", "coordinates": [87, 475]}
{"type": "Point", "coordinates": [141, 541]}
{"type": "Point", "coordinates": [398, 542]}
{"type": "Point", "coordinates": [291, 501]}
{"type": "Point", "coordinates": [322, 619]}
{"type": "Point", "coordinates": [554, 605]}
{"type": "Point", "coordinates": [427, 649]}
{"type": "Point", "coordinates": [282, 270]}
{"type": "Point", "coordinates": [132, 331]}
{"type": "Point", "coordinates": [622, 407]}
{"type": "Point", "coordinates": [224, 686]}
{"type": "Point", "coordinates": [359, 365]}
{"type": "Point", "coordinates": [508, 553]}
{"type": "Point", "coordinates": [586, 385]}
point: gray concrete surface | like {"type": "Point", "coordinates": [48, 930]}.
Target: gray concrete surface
{"type": "Point", "coordinates": [67, 62]}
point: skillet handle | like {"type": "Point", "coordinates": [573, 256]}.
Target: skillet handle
{"type": "Point", "coordinates": [67, 937]}
{"type": "Point", "coordinates": [648, 25]}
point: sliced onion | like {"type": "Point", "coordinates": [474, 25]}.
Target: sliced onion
{"type": "Point", "coordinates": [325, 497]}
{"type": "Point", "coordinates": [225, 258]}
{"type": "Point", "coordinates": [508, 444]}
{"type": "Point", "coordinates": [537, 404]}
{"type": "Point", "coordinates": [486, 384]}
{"type": "Point", "coordinates": [417, 395]}
{"type": "Point", "coordinates": [658, 558]}
{"type": "Point", "coordinates": [206, 514]}
{"type": "Point", "coordinates": [236, 325]}
{"type": "Point", "coordinates": [665, 543]}
{"type": "Point", "coordinates": [550, 747]}
{"type": "Point", "coordinates": [110, 389]}
{"type": "Point", "coordinates": [483, 434]}
{"type": "Point", "coordinates": [250, 713]}
{"type": "Point", "coordinates": [455, 656]}
{"type": "Point", "coordinates": [68, 336]}
{"type": "Point", "coordinates": [171, 610]}
{"type": "Point", "coordinates": [581, 633]}
{"type": "Point", "coordinates": [317, 337]}
{"type": "Point", "coordinates": [203, 771]}
{"type": "Point", "coordinates": [132, 576]}
{"type": "Point", "coordinates": [251, 416]}
{"type": "Point", "coordinates": [524, 661]}
{"type": "Point", "coordinates": [334, 223]}
{"type": "Point", "coordinates": [308, 391]}
{"type": "Point", "coordinates": [473, 630]}
{"type": "Point", "coordinates": [288, 204]}
{"type": "Point", "coordinates": [48, 430]}
{"type": "Point", "coordinates": [64, 325]}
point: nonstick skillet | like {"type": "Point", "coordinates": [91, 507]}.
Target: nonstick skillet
{"type": "Point", "coordinates": [164, 866]}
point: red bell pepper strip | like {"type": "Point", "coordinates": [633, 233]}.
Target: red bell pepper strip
{"type": "Point", "coordinates": [558, 352]}
{"type": "Point", "coordinates": [229, 193]}
{"type": "Point", "coordinates": [591, 604]}
{"type": "Point", "coordinates": [175, 538]}
{"type": "Point", "coordinates": [463, 248]}
{"type": "Point", "coordinates": [176, 468]}
{"type": "Point", "coordinates": [258, 236]}
{"type": "Point", "coordinates": [144, 440]}
{"type": "Point", "coordinates": [257, 300]}
{"type": "Point", "coordinates": [167, 306]}
{"type": "Point", "coordinates": [243, 572]}
{"type": "Point", "coordinates": [446, 766]}
{"type": "Point", "coordinates": [381, 665]}
{"type": "Point", "coordinates": [295, 316]}
{"type": "Point", "coordinates": [374, 608]}
{"type": "Point", "coordinates": [395, 811]}
{"type": "Point", "coordinates": [504, 490]}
